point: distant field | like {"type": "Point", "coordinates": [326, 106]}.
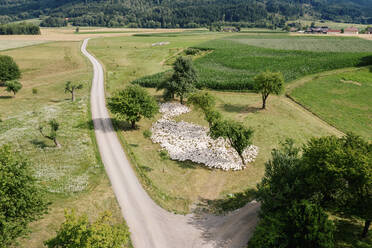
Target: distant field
{"type": "Point", "coordinates": [310, 43]}
{"type": "Point", "coordinates": [72, 175]}
{"type": "Point", "coordinates": [334, 25]}
{"type": "Point", "coordinates": [10, 44]}
{"type": "Point", "coordinates": [344, 100]}
{"type": "Point", "coordinates": [232, 64]}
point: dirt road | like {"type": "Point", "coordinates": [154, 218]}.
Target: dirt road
{"type": "Point", "coordinates": [150, 225]}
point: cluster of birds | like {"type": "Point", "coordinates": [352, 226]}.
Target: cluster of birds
{"type": "Point", "coordinates": [189, 142]}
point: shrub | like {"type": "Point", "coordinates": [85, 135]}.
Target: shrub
{"type": "Point", "coordinates": [34, 91]}
{"type": "Point", "coordinates": [147, 133]}
{"type": "Point", "coordinates": [164, 154]}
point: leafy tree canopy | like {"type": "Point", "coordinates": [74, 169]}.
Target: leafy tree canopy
{"type": "Point", "coordinates": [267, 83]}
{"type": "Point", "coordinates": [13, 86]}
{"type": "Point", "coordinates": [78, 232]}
{"type": "Point", "coordinates": [132, 104]}
{"type": "Point", "coordinates": [22, 200]}
{"type": "Point", "coordinates": [182, 80]}
{"type": "Point", "coordinates": [9, 70]}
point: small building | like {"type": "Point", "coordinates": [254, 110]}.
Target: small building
{"type": "Point", "coordinates": [317, 30]}
{"type": "Point", "coordinates": [351, 30]}
{"type": "Point", "coordinates": [334, 31]}
{"type": "Point", "coordinates": [229, 29]}
{"type": "Point", "coordinates": [369, 31]}
{"type": "Point", "coordinates": [293, 29]}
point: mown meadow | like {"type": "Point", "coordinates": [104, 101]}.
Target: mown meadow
{"type": "Point", "coordinates": [72, 175]}
{"type": "Point", "coordinates": [343, 100]}
{"type": "Point", "coordinates": [235, 60]}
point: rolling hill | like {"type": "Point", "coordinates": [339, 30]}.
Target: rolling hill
{"type": "Point", "coordinates": [186, 13]}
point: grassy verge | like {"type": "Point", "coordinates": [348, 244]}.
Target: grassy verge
{"type": "Point", "coordinates": [73, 175]}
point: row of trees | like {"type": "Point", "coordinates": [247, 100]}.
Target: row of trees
{"type": "Point", "coordinates": [19, 28]}
{"type": "Point", "coordinates": [53, 22]}
{"type": "Point", "coordinates": [185, 12]}
{"type": "Point", "coordinates": [301, 186]}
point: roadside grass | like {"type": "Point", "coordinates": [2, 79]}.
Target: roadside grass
{"type": "Point", "coordinates": [179, 186]}
{"type": "Point", "coordinates": [11, 44]}
{"type": "Point", "coordinates": [232, 65]}
{"type": "Point", "coordinates": [73, 175]}
{"type": "Point", "coordinates": [342, 99]}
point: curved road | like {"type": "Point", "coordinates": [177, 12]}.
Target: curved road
{"type": "Point", "coordinates": [150, 225]}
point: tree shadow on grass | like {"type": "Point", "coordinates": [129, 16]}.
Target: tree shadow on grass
{"type": "Point", "coordinates": [240, 108]}
{"type": "Point", "coordinates": [227, 204]}
{"type": "Point", "coordinates": [104, 124]}
{"type": "Point", "coordinates": [348, 234]}
{"type": "Point", "coordinates": [6, 97]}
{"type": "Point", "coordinates": [187, 164]}
{"type": "Point", "coordinates": [39, 143]}
{"type": "Point", "coordinates": [365, 61]}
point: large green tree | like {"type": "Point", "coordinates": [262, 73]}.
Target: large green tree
{"type": "Point", "coordinates": [22, 200]}
{"type": "Point", "coordinates": [9, 70]}
{"type": "Point", "coordinates": [132, 104]}
{"type": "Point", "coordinates": [267, 83]}
{"type": "Point", "coordinates": [339, 174]}
{"type": "Point", "coordinates": [182, 80]}
{"type": "Point", "coordinates": [302, 225]}
{"type": "Point", "coordinates": [78, 232]}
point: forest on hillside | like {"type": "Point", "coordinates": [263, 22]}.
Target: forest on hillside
{"type": "Point", "coordinates": [185, 13]}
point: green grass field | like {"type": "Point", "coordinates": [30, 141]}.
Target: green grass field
{"type": "Point", "coordinates": [73, 174]}
{"type": "Point", "coordinates": [177, 186]}
{"type": "Point", "coordinates": [180, 186]}
{"type": "Point", "coordinates": [233, 64]}
{"type": "Point", "coordinates": [343, 100]}
{"type": "Point", "coordinates": [309, 43]}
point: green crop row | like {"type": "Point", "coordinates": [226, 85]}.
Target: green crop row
{"type": "Point", "coordinates": [233, 65]}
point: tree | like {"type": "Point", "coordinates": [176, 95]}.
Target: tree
{"type": "Point", "coordinates": [22, 200]}
{"type": "Point", "coordinates": [283, 179]}
{"type": "Point", "coordinates": [78, 232]}
{"type": "Point", "coordinates": [9, 70]}
{"type": "Point", "coordinates": [202, 100]}
{"type": "Point", "coordinates": [235, 132]}
{"type": "Point", "coordinates": [13, 86]}
{"type": "Point", "coordinates": [54, 126]}
{"type": "Point", "coordinates": [268, 83]}
{"type": "Point", "coordinates": [132, 104]}
{"type": "Point", "coordinates": [182, 80]}
{"type": "Point", "coordinates": [71, 88]}
{"type": "Point", "coordinates": [169, 86]}
{"type": "Point", "coordinates": [290, 216]}
{"type": "Point", "coordinates": [303, 225]}
{"type": "Point", "coordinates": [339, 172]}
